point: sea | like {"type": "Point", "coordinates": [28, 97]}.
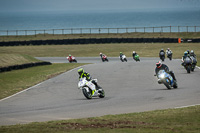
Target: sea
{"type": "Point", "coordinates": [11, 21]}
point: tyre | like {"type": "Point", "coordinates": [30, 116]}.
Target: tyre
{"type": "Point", "coordinates": [188, 69]}
{"type": "Point", "coordinates": [125, 59]}
{"type": "Point", "coordinates": [175, 85]}
{"type": "Point", "coordinates": [102, 93]}
{"type": "Point", "coordinates": [88, 95]}
{"type": "Point", "coordinates": [167, 85]}
{"type": "Point", "coordinates": [163, 59]}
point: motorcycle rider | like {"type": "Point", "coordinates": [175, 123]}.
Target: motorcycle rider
{"type": "Point", "coordinates": [192, 54]}
{"type": "Point", "coordinates": [168, 51]}
{"type": "Point", "coordinates": [160, 66]}
{"type": "Point", "coordinates": [120, 55]}
{"type": "Point", "coordinates": [83, 74]}
{"type": "Point", "coordinates": [184, 56]}
{"type": "Point", "coordinates": [134, 54]}
{"type": "Point", "coordinates": [161, 52]}
{"type": "Point", "coordinates": [69, 57]}
{"type": "Point", "coordinates": [101, 55]}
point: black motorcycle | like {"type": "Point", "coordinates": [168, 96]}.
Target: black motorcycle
{"type": "Point", "coordinates": [188, 64]}
{"type": "Point", "coordinates": [162, 56]}
{"type": "Point", "coordinates": [194, 63]}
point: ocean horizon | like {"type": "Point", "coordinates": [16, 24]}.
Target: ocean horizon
{"type": "Point", "coordinates": [98, 19]}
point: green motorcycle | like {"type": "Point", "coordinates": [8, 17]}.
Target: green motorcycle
{"type": "Point", "coordinates": [136, 57]}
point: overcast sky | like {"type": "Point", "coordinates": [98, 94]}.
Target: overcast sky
{"type": "Point", "coordinates": [76, 5]}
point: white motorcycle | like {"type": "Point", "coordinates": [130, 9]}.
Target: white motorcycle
{"type": "Point", "coordinates": [123, 58]}
{"type": "Point", "coordinates": [89, 89]}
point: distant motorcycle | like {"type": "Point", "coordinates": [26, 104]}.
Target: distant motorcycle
{"type": "Point", "coordinates": [162, 56]}
{"type": "Point", "coordinates": [136, 57]}
{"type": "Point", "coordinates": [123, 58]}
{"type": "Point", "coordinates": [188, 64]}
{"type": "Point", "coordinates": [194, 63]}
{"type": "Point", "coordinates": [87, 88]}
{"type": "Point", "coordinates": [166, 79]}
{"type": "Point", "coordinates": [104, 58]}
{"type": "Point", "coordinates": [169, 55]}
{"type": "Point", "coordinates": [71, 59]}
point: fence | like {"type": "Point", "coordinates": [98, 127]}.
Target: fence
{"type": "Point", "coordinates": [161, 29]}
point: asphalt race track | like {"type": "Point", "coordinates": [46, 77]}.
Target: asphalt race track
{"type": "Point", "coordinates": [129, 87]}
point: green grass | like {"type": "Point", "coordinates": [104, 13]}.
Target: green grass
{"type": "Point", "coordinates": [111, 50]}
{"type": "Point", "coordinates": [18, 80]}
{"type": "Point", "coordinates": [15, 59]}
{"type": "Point", "coordinates": [183, 120]}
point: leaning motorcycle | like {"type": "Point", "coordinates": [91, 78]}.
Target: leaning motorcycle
{"type": "Point", "coordinates": [166, 79]}
{"type": "Point", "coordinates": [162, 56]}
{"type": "Point", "coordinates": [104, 58]}
{"type": "Point", "coordinates": [89, 89]}
{"type": "Point", "coordinates": [194, 63]}
{"type": "Point", "coordinates": [169, 55]}
{"type": "Point", "coordinates": [136, 57]}
{"type": "Point", "coordinates": [188, 64]}
{"type": "Point", "coordinates": [72, 59]}
{"type": "Point", "coordinates": [123, 58]}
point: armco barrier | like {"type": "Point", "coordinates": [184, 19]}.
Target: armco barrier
{"type": "Point", "coordinates": [96, 41]}
{"type": "Point", "coordinates": [22, 66]}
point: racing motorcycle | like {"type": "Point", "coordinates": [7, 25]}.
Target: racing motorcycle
{"type": "Point", "coordinates": [123, 58]}
{"type": "Point", "coordinates": [166, 79]}
{"type": "Point", "coordinates": [194, 63]}
{"type": "Point", "coordinates": [136, 57]}
{"type": "Point", "coordinates": [89, 89]}
{"type": "Point", "coordinates": [188, 64]}
{"type": "Point", "coordinates": [169, 55]}
{"type": "Point", "coordinates": [72, 59]}
{"type": "Point", "coordinates": [104, 58]}
{"type": "Point", "coordinates": [162, 56]}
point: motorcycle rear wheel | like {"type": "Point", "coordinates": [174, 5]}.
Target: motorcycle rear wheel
{"type": "Point", "coordinates": [188, 69]}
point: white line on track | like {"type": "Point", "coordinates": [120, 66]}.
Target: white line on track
{"type": "Point", "coordinates": [186, 106]}
{"type": "Point", "coordinates": [34, 86]}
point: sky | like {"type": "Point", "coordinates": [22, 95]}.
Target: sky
{"type": "Point", "coordinates": [92, 5]}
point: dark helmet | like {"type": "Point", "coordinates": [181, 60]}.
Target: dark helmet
{"type": "Point", "coordinates": [158, 64]}
{"type": "Point", "coordinates": [80, 71]}
{"type": "Point", "coordinates": [185, 53]}
{"type": "Point", "coordinates": [188, 51]}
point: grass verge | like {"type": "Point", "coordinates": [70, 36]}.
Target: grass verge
{"type": "Point", "coordinates": [18, 80]}
{"type": "Point", "coordinates": [111, 50]}
{"type": "Point", "coordinates": [15, 59]}
{"type": "Point", "coordinates": [182, 120]}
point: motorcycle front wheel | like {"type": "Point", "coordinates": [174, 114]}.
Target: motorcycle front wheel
{"type": "Point", "coordinates": [167, 85]}
{"type": "Point", "coordinates": [88, 95]}
{"type": "Point", "coordinates": [102, 93]}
